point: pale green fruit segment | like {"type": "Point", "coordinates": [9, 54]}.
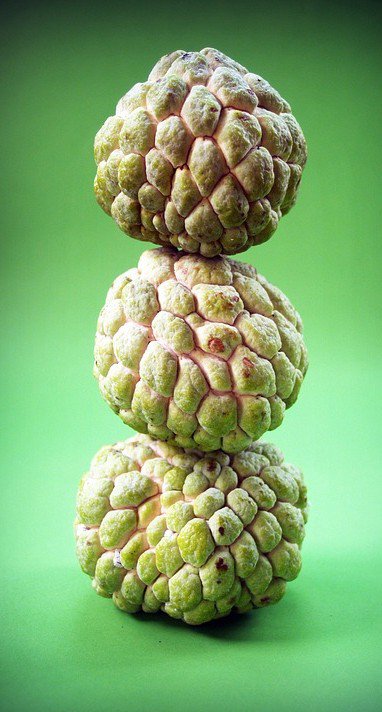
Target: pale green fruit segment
{"type": "Point", "coordinates": [166, 96]}
{"type": "Point", "coordinates": [156, 530]}
{"type": "Point", "coordinates": [195, 484]}
{"type": "Point", "coordinates": [146, 567]}
{"type": "Point", "coordinates": [236, 440]}
{"type": "Point", "coordinates": [131, 174]}
{"type": "Point", "coordinates": [260, 334]}
{"type": "Point", "coordinates": [227, 480]}
{"type": "Point", "coordinates": [168, 555]}
{"type": "Point", "coordinates": [178, 515]}
{"type": "Point", "coordinates": [273, 594]}
{"type": "Point", "coordinates": [140, 301]}
{"type": "Point", "coordinates": [173, 140]}
{"type": "Point", "coordinates": [148, 406]}
{"type": "Point", "coordinates": [285, 560]}
{"type": "Point", "coordinates": [131, 489]}
{"type": "Point", "coordinates": [242, 504]}
{"type": "Point", "coordinates": [276, 136]}
{"type": "Point", "coordinates": [218, 339]}
{"type": "Point", "coordinates": [169, 498]}
{"type": "Point", "coordinates": [172, 611]}
{"type": "Point", "coordinates": [205, 441]}
{"type": "Point", "coordinates": [132, 588]}
{"type": "Point", "coordinates": [107, 138]}
{"type": "Point", "coordinates": [264, 497]}
{"type": "Point", "coordinates": [195, 542]}
{"type": "Point", "coordinates": [254, 415]}
{"type": "Point", "coordinates": [150, 602]}
{"type": "Point", "coordinates": [249, 463]}
{"type": "Point", "coordinates": [208, 502]}
{"type": "Point", "coordinates": [244, 603]}
{"type": "Point", "coordinates": [225, 526]}
{"type": "Point", "coordinates": [185, 589]}
{"type": "Point", "coordinates": [218, 414]}
{"type": "Point", "coordinates": [174, 479]}
{"type": "Point", "coordinates": [246, 555]}
{"type": "Point", "coordinates": [185, 193]}
{"type": "Point", "coordinates": [191, 386]}
{"type": "Point", "coordinates": [93, 500]}
{"type": "Point", "coordinates": [88, 548]}
{"type": "Point", "coordinates": [179, 422]}
{"type": "Point", "coordinates": [283, 484]}
{"type": "Point", "coordinates": [173, 331]}
{"type": "Point", "coordinates": [229, 86]}
{"type": "Point", "coordinates": [123, 605]}
{"type": "Point", "coordinates": [261, 577]}
{"type": "Point", "coordinates": [175, 298]}
{"type": "Point", "coordinates": [206, 165]}
{"type": "Point", "coordinates": [291, 521]}
{"type": "Point", "coordinates": [253, 375]}
{"type": "Point", "coordinates": [158, 369]}
{"type": "Point", "coordinates": [217, 374]}
{"type": "Point", "coordinates": [116, 528]}
{"type": "Point", "coordinates": [217, 304]}
{"type": "Point", "coordinates": [161, 589]}
{"type": "Point", "coordinates": [103, 354]}
{"type": "Point", "coordinates": [217, 575]}
{"type": "Point", "coordinates": [137, 132]}
{"type": "Point", "coordinates": [132, 550]}
{"type": "Point", "coordinates": [203, 613]}
{"type": "Point", "coordinates": [229, 202]}
{"type": "Point", "coordinates": [159, 171]}
{"type": "Point", "coordinates": [148, 511]}
{"type": "Point", "coordinates": [203, 218]}
{"type": "Point", "coordinates": [237, 133]}
{"type": "Point", "coordinates": [118, 386]}
{"type": "Point", "coordinates": [285, 375]}
{"type": "Point", "coordinates": [224, 605]}
{"type": "Point", "coordinates": [107, 575]}
{"type": "Point", "coordinates": [201, 110]}
{"type": "Point", "coordinates": [256, 173]}
{"type": "Point", "coordinates": [266, 531]}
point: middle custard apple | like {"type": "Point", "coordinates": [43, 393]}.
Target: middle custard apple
{"type": "Point", "coordinates": [200, 352]}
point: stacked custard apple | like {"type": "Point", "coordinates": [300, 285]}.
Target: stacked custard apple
{"type": "Point", "coordinates": [198, 352]}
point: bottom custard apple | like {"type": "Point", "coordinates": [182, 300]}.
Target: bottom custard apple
{"type": "Point", "coordinates": [195, 535]}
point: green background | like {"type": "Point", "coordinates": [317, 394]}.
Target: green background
{"type": "Point", "coordinates": [62, 647]}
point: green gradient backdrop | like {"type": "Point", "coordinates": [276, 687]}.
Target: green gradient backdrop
{"type": "Point", "coordinates": [62, 647]}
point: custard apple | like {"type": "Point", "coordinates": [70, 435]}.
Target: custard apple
{"type": "Point", "coordinates": [193, 535]}
{"type": "Point", "coordinates": [204, 155]}
{"type": "Point", "coordinates": [202, 352]}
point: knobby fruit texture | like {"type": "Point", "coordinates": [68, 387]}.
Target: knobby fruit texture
{"type": "Point", "coordinates": [204, 156]}
{"type": "Point", "coordinates": [194, 535]}
{"type": "Point", "coordinates": [195, 351]}
{"type": "Point", "coordinates": [203, 353]}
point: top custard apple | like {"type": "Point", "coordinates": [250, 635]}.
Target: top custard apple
{"type": "Point", "coordinates": [204, 156]}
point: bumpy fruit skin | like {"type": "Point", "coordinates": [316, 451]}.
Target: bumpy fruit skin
{"type": "Point", "coordinates": [201, 352]}
{"type": "Point", "coordinates": [196, 536]}
{"type": "Point", "coordinates": [205, 156]}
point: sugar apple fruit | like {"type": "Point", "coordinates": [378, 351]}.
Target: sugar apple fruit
{"type": "Point", "coordinates": [205, 156]}
{"type": "Point", "coordinates": [202, 352]}
{"type": "Point", "coordinates": [194, 535]}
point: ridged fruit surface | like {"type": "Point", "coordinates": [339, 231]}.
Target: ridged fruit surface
{"type": "Point", "coordinates": [193, 535]}
{"type": "Point", "coordinates": [200, 352]}
{"type": "Point", "coordinates": [204, 155]}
